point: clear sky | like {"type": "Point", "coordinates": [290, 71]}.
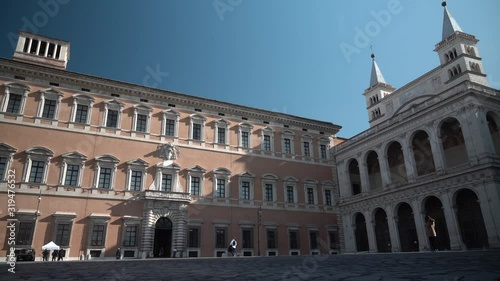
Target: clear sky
{"type": "Point", "coordinates": [309, 58]}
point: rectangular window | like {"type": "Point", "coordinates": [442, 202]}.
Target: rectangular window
{"type": "Point", "coordinates": [3, 165]}
{"type": "Point", "coordinates": [220, 238]}
{"type": "Point", "coordinates": [112, 119]}
{"type": "Point", "coordinates": [97, 238]}
{"type": "Point", "coordinates": [267, 142]}
{"type": "Point", "coordinates": [36, 173]}
{"type": "Point", "coordinates": [293, 236]}
{"type": "Point", "coordinates": [244, 139]}
{"type": "Point", "coordinates": [221, 135]}
{"type": "Point", "coordinates": [194, 237]}
{"type": "Point", "coordinates": [288, 146]}
{"type": "Point", "coordinates": [271, 238]}
{"type": "Point", "coordinates": [323, 151]}
{"type": "Point", "coordinates": [26, 45]}
{"type": "Point", "coordinates": [130, 236]}
{"type": "Point", "coordinates": [72, 175]}
{"type": "Point", "coordinates": [313, 240]}
{"type": "Point", "coordinates": [62, 234]}
{"type": "Point", "coordinates": [43, 46]}
{"type": "Point", "coordinates": [221, 188]}
{"type": "Point", "coordinates": [328, 197]}
{"type": "Point", "coordinates": [289, 194]}
{"type": "Point", "coordinates": [136, 181]}
{"type": "Point", "coordinates": [247, 236]}
{"type": "Point", "coordinates": [310, 195]}
{"type": "Point", "coordinates": [25, 233]}
{"type": "Point", "coordinates": [170, 127]}
{"type": "Point", "coordinates": [197, 131]}
{"type": "Point", "coordinates": [334, 239]}
{"type": "Point", "coordinates": [245, 190]}
{"type": "Point", "coordinates": [166, 182]}
{"type": "Point", "coordinates": [81, 113]}
{"type": "Point", "coordinates": [14, 105]}
{"type": "Point", "coordinates": [195, 186]}
{"type": "Point", "coordinates": [307, 153]}
{"type": "Point", "coordinates": [49, 109]}
{"type": "Point", "coordinates": [105, 178]}
{"type": "Point", "coordinates": [269, 192]}
{"type": "Point", "coordinates": [34, 45]}
{"type": "Point", "coordinates": [142, 121]}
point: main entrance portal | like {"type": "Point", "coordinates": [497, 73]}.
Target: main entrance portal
{"type": "Point", "coordinates": [163, 238]}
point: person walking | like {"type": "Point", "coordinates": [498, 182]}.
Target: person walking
{"type": "Point", "coordinates": [430, 229]}
{"type": "Point", "coordinates": [119, 254]}
{"type": "Point", "coordinates": [233, 246]}
{"type": "Point", "coordinates": [54, 255]}
{"type": "Point", "coordinates": [60, 255]}
{"type": "Point", "coordinates": [45, 255]}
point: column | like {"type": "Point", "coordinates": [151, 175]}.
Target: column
{"type": "Point", "coordinates": [409, 162]}
{"type": "Point", "coordinates": [384, 171]}
{"type": "Point", "coordinates": [370, 225]}
{"type": "Point", "coordinates": [363, 173]}
{"type": "Point", "coordinates": [344, 184]}
{"type": "Point", "coordinates": [437, 152]}
{"type": "Point", "coordinates": [349, 227]}
{"type": "Point", "coordinates": [476, 134]}
{"type": "Point", "coordinates": [451, 223]}
{"type": "Point", "coordinates": [147, 233]}
{"type": "Point", "coordinates": [393, 229]}
{"type": "Point", "coordinates": [488, 209]}
{"type": "Point", "coordinates": [418, 216]}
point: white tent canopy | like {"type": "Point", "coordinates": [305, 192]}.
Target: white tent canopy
{"type": "Point", "coordinates": [50, 246]}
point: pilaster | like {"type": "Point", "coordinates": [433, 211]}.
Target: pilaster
{"type": "Point", "coordinates": [451, 223]}
{"type": "Point", "coordinates": [393, 230]}
{"type": "Point", "coordinates": [490, 207]}
{"type": "Point", "coordinates": [370, 229]}
{"type": "Point", "coordinates": [418, 216]}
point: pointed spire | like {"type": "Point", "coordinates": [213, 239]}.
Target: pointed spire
{"type": "Point", "coordinates": [377, 76]}
{"type": "Point", "coordinates": [450, 25]}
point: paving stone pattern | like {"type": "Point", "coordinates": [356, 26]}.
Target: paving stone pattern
{"type": "Point", "coordinates": [439, 266]}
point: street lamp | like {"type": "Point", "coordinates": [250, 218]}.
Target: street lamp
{"type": "Point", "coordinates": [36, 216]}
{"type": "Point", "coordinates": [259, 216]}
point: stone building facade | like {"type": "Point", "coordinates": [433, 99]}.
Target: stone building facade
{"type": "Point", "coordinates": [433, 149]}
{"type": "Point", "coordinates": [96, 165]}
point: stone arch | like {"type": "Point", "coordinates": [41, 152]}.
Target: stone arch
{"type": "Point", "coordinates": [422, 152]}
{"type": "Point", "coordinates": [470, 219]}
{"type": "Point", "coordinates": [381, 228]}
{"type": "Point", "coordinates": [433, 207]}
{"type": "Point", "coordinates": [360, 233]}
{"type": "Point", "coordinates": [405, 219]}
{"type": "Point", "coordinates": [396, 162]}
{"type": "Point", "coordinates": [452, 142]}
{"type": "Point", "coordinates": [354, 176]}
{"type": "Point", "coordinates": [373, 169]}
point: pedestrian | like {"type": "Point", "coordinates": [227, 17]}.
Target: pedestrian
{"type": "Point", "coordinates": [54, 255]}
{"type": "Point", "coordinates": [430, 229]}
{"type": "Point", "coordinates": [60, 255]}
{"type": "Point", "coordinates": [45, 255]}
{"type": "Point", "coordinates": [118, 254]}
{"type": "Point", "coordinates": [233, 246]}
{"type": "Point", "coordinates": [162, 252]}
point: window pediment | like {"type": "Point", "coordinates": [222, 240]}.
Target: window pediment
{"type": "Point", "coordinates": [246, 175]}
{"type": "Point", "coordinates": [171, 112]}
{"type": "Point", "coordinates": [40, 151]}
{"type": "Point", "coordinates": [270, 177]}
{"type": "Point", "coordinates": [5, 148]}
{"type": "Point", "coordinates": [198, 117]}
{"type": "Point", "coordinates": [245, 125]}
{"type": "Point", "coordinates": [196, 169]}
{"type": "Point", "coordinates": [17, 88]}
{"type": "Point", "coordinates": [114, 103]}
{"type": "Point", "coordinates": [138, 162]}
{"type": "Point", "coordinates": [310, 181]}
{"type": "Point", "coordinates": [74, 155]}
{"type": "Point", "coordinates": [291, 180]}
{"type": "Point", "coordinates": [222, 171]}
{"type": "Point", "coordinates": [82, 97]}
{"type": "Point", "coordinates": [51, 92]}
{"type": "Point", "coordinates": [107, 158]}
{"type": "Point", "coordinates": [143, 107]}
{"type": "Point", "coordinates": [172, 166]}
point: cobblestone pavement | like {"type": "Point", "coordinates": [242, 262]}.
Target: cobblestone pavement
{"type": "Point", "coordinates": [442, 266]}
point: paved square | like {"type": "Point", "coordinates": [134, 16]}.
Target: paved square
{"type": "Point", "coordinates": [450, 266]}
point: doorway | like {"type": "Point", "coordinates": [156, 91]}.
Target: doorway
{"type": "Point", "coordinates": [163, 238]}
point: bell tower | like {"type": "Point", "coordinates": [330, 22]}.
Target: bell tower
{"type": "Point", "coordinates": [458, 53]}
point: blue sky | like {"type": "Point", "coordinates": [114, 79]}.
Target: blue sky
{"type": "Point", "coordinates": [301, 57]}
